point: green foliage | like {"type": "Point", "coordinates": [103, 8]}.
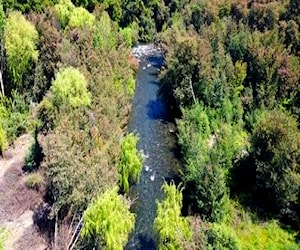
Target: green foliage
{"type": "Point", "coordinates": [14, 116]}
{"type": "Point", "coordinates": [64, 9]}
{"type": "Point", "coordinates": [3, 236]}
{"type": "Point", "coordinates": [3, 141]}
{"type": "Point", "coordinates": [34, 156]}
{"type": "Point", "coordinates": [70, 87]}
{"type": "Point", "coordinates": [2, 22]}
{"type": "Point", "coordinates": [26, 6]}
{"type": "Point", "coordinates": [108, 221]}
{"type": "Point", "coordinates": [81, 18]}
{"type": "Point", "coordinates": [20, 44]}
{"type": "Point", "coordinates": [209, 148]}
{"type": "Point", "coordinates": [173, 230]}
{"type": "Point", "coordinates": [75, 181]}
{"type": "Point", "coordinates": [276, 150]}
{"type": "Point", "coordinates": [265, 236]}
{"type": "Point", "coordinates": [104, 36]}
{"type": "Point", "coordinates": [75, 17]}
{"type": "Point", "coordinates": [131, 86]}
{"type": "Point", "coordinates": [130, 165]}
{"type": "Point", "coordinates": [127, 35]}
{"type": "Point", "coordinates": [222, 237]}
{"type": "Point", "coordinates": [34, 180]}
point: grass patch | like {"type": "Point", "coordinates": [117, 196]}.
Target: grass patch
{"type": "Point", "coordinates": [34, 181]}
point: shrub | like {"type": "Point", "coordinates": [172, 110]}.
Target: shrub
{"type": "Point", "coordinates": [130, 165]}
{"type": "Point", "coordinates": [3, 141]}
{"type": "Point", "coordinates": [34, 181]}
{"type": "Point", "coordinates": [13, 116]}
{"type": "Point", "coordinates": [131, 86]}
{"type": "Point", "coordinates": [70, 87]}
{"type": "Point", "coordinates": [64, 10]}
{"type": "Point", "coordinates": [222, 237]}
{"type": "Point", "coordinates": [104, 36]}
{"type": "Point", "coordinates": [127, 35]}
{"type": "Point", "coordinates": [173, 230]}
{"type": "Point", "coordinates": [81, 18]}
{"type": "Point", "coordinates": [268, 235]}
{"type": "Point", "coordinates": [34, 157]}
{"type": "Point", "coordinates": [108, 221]}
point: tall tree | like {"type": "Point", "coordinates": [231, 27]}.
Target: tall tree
{"type": "Point", "coordinates": [20, 44]}
{"type": "Point", "coordinates": [276, 153]}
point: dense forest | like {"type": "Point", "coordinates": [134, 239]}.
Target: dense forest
{"type": "Point", "coordinates": [231, 79]}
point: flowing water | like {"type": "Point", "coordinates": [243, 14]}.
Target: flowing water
{"type": "Point", "coordinates": [150, 120]}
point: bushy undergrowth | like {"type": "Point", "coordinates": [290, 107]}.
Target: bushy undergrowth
{"type": "Point", "coordinates": [14, 116]}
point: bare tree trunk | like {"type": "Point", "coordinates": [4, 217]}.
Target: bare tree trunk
{"type": "Point", "coordinates": [55, 232]}
{"type": "Point", "coordinates": [193, 94]}
{"type": "Point", "coordinates": [1, 83]}
{"type": "Point", "coordinates": [76, 234]}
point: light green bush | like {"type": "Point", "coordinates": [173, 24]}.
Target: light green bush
{"type": "Point", "coordinates": [70, 87]}
{"type": "Point", "coordinates": [173, 230]}
{"type": "Point", "coordinates": [104, 36]}
{"type": "Point", "coordinates": [130, 165]}
{"type": "Point", "coordinates": [131, 86]}
{"type": "Point", "coordinates": [3, 141]}
{"type": "Point", "coordinates": [64, 10]}
{"type": "Point", "coordinates": [75, 17]}
{"type": "Point", "coordinates": [80, 18]}
{"type": "Point", "coordinates": [254, 236]}
{"type": "Point", "coordinates": [108, 221]}
{"type": "Point", "coordinates": [127, 35]}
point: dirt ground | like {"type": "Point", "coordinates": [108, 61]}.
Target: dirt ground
{"type": "Point", "coordinates": [17, 202]}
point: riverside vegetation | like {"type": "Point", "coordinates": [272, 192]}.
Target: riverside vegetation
{"type": "Point", "coordinates": [231, 78]}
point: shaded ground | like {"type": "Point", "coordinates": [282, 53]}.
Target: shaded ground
{"type": "Point", "coordinates": [17, 202]}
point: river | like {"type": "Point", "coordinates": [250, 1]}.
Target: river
{"type": "Point", "coordinates": [155, 128]}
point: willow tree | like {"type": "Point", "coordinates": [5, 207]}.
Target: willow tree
{"type": "Point", "coordinates": [130, 165]}
{"type": "Point", "coordinates": [70, 88]}
{"type": "Point", "coordinates": [174, 231]}
{"type": "Point", "coordinates": [20, 39]}
{"type": "Point", "coordinates": [108, 221]}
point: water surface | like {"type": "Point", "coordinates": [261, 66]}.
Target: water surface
{"type": "Point", "coordinates": [150, 120]}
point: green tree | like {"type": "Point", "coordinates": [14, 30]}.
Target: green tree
{"type": "Point", "coordinates": [70, 87]}
{"type": "Point", "coordinates": [20, 44]}
{"type": "Point", "coordinates": [108, 221]}
{"type": "Point", "coordinates": [276, 153]}
{"type": "Point", "coordinates": [130, 165]}
{"type": "Point", "coordinates": [80, 18]}
{"type": "Point", "coordinates": [75, 17]}
{"type": "Point", "coordinates": [64, 9]}
{"type": "Point", "coordinates": [172, 229]}
{"type": "Point", "coordinates": [104, 36]}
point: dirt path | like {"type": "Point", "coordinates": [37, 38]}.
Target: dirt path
{"type": "Point", "coordinates": [17, 202]}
